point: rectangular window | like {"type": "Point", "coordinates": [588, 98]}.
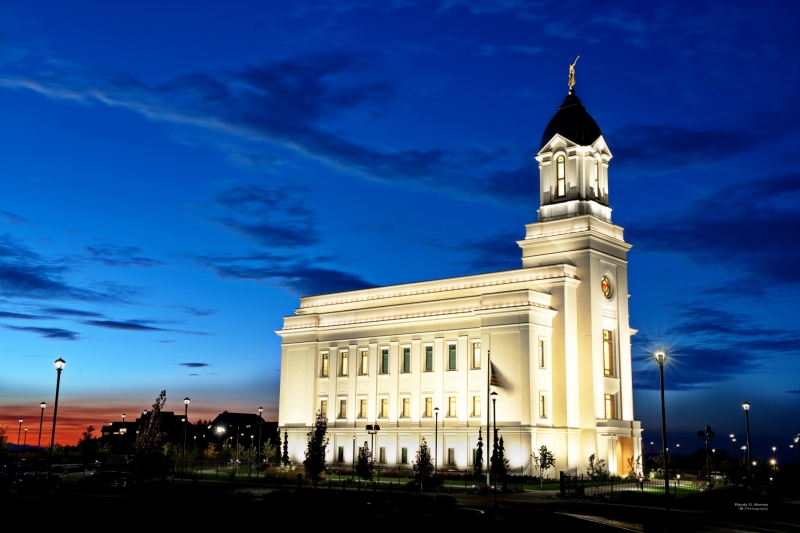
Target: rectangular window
{"type": "Point", "coordinates": [428, 407]}
{"type": "Point", "coordinates": [323, 408]}
{"type": "Point", "coordinates": [324, 372]}
{"type": "Point", "coordinates": [429, 359]}
{"type": "Point", "coordinates": [476, 406]}
{"type": "Point", "coordinates": [404, 456]}
{"type": "Point", "coordinates": [364, 362]}
{"type": "Point", "coordinates": [611, 408]}
{"type": "Point", "coordinates": [384, 361]}
{"type": "Point", "coordinates": [382, 454]}
{"type": "Point", "coordinates": [343, 369]}
{"type": "Point", "coordinates": [340, 454]}
{"type": "Point", "coordinates": [406, 408]}
{"type": "Point", "coordinates": [451, 406]}
{"type": "Point", "coordinates": [561, 186]}
{"type": "Point", "coordinates": [362, 408]}
{"type": "Point", "coordinates": [451, 456]}
{"type": "Point", "coordinates": [451, 357]}
{"type": "Point", "coordinates": [342, 408]}
{"type": "Point", "coordinates": [542, 406]}
{"type": "Point", "coordinates": [384, 410]}
{"type": "Point", "coordinates": [476, 355]}
{"type": "Point", "coordinates": [541, 353]}
{"type": "Point", "coordinates": [608, 353]}
{"type": "Point", "coordinates": [406, 360]}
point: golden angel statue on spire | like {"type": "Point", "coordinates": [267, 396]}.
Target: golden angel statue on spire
{"type": "Point", "coordinates": [572, 74]}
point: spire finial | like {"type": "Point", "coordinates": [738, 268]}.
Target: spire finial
{"type": "Point", "coordinates": [572, 75]}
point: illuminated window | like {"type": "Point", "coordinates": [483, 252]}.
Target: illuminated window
{"type": "Point", "coordinates": [476, 406]}
{"type": "Point", "coordinates": [362, 408]}
{"type": "Point", "coordinates": [611, 407]}
{"type": "Point", "coordinates": [340, 454]}
{"type": "Point", "coordinates": [451, 357]}
{"type": "Point", "coordinates": [541, 354]}
{"type": "Point", "coordinates": [384, 411]}
{"type": "Point", "coordinates": [405, 413]}
{"type": "Point", "coordinates": [608, 353]}
{"type": "Point", "coordinates": [343, 369]}
{"type": "Point", "coordinates": [451, 456]}
{"type": "Point", "coordinates": [476, 355]}
{"type": "Point", "coordinates": [406, 360]}
{"type": "Point", "coordinates": [428, 407]}
{"type": "Point", "coordinates": [323, 408]}
{"type": "Point", "coordinates": [404, 455]}
{"type": "Point", "coordinates": [382, 454]}
{"type": "Point", "coordinates": [384, 361]}
{"type": "Point", "coordinates": [429, 359]}
{"type": "Point", "coordinates": [542, 405]}
{"type": "Point", "coordinates": [364, 362]}
{"type": "Point", "coordinates": [451, 406]}
{"type": "Point", "coordinates": [342, 408]}
{"type": "Point", "coordinates": [561, 178]}
{"type": "Point", "coordinates": [324, 372]}
{"type": "Point", "coordinates": [596, 178]}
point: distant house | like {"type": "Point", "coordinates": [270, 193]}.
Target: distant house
{"type": "Point", "coordinates": [120, 436]}
{"type": "Point", "coordinates": [238, 427]}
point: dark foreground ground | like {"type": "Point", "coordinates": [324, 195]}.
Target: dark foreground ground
{"type": "Point", "coordinates": [216, 505]}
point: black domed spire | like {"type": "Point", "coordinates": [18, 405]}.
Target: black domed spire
{"type": "Point", "coordinates": [572, 122]}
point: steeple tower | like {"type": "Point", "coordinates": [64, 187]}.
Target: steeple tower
{"type": "Point", "coordinates": [573, 163]}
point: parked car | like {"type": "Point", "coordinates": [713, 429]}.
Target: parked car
{"type": "Point", "coordinates": [67, 474]}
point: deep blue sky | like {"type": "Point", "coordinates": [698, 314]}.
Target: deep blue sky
{"type": "Point", "coordinates": [175, 175]}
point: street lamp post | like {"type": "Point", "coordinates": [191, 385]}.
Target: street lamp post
{"type": "Point", "coordinates": [714, 456]}
{"type": "Point", "coordinates": [258, 452]}
{"type": "Point", "coordinates": [60, 363]}
{"type": "Point", "coordinates": [733, 450]}
{"type": "Point", "coordinates": [372, 430]}
{"type": "Point", "coordinates": [19, 431]}
{"type": "Point", "coordinates": [494, 444]}
{"type": "Point", "coordinates": [707, 436]}
{"type": "Point", "coordinates": [353, 471]}
{"type": "Point", "coordinates": [250, 459]}
{"type": "Point", "coordinates": [220, 431]}
{"type": "Point", "coordinates": [185, 420]}
{"type": "Point", "coordinates": [746, 407]}
{"type": "Point", "coordinates": [41, 419]}
{"type": "Point", "coordinates": [651, 449]}
{"type": "Point", "coordinates": [660, 356]}
{"type": "Point", "coordinates": [25, 441]}
{"type": "Point", "coordinates": [436, 443]}
{"type": "Point", "coordinates": [122, 433]}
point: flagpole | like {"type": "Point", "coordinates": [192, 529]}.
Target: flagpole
{"type": "Point", "coordinates": [488, 410]}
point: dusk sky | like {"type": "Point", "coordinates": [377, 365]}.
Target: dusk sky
{"type": "Point", "coordinates": [175, 175]}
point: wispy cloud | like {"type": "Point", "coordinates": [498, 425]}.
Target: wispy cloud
{"type": "Point", "coordinates": [13, 218]}
{"type": "Point", "coordinates": [749, 227]}
{"type": "Point", "coordinates": [47, 333]}
{"type": "Point", "coordinates": [136, 325]}
{"type": "Point", "coordinates": [194, 365]}
{"type": "Point", "coordinates": [25, 273]}
{"type": "Point", "coordinates": [120, 256]}
{"type": "Point", "coordinates": [289, 103]}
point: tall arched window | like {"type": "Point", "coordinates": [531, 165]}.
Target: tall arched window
{"type": "Point", "coordinates": [596, 178]}
{"type": "Point", "coordinates": [561, 180]}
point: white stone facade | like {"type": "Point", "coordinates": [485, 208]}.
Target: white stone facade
{"type": "Point", "coordinates": [557, 330]}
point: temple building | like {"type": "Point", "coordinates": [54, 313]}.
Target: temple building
{"type": "Point", "coordinates": [413, 356]}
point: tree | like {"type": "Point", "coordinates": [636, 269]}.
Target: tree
{"type": "Point", "coordinates": [149, 440]}
{"type": "Point", "coordinates": [597, 469]}
{"type": "Point", "coordinates": [271, 450]}
{"type": "Point", "coordinates": [478, 467]}
{"type": "Point", "coordinates": [315, 448]}
{"type": "Point", "coordinates": [635, 466]}
{"type": "Point", "coordinates": [499, 463]}
{"type": "Point", "coordinates": [543, 461]}
{"type": "Point", "coordinates": [89, 446]}
{"type": "Point", "coordinates": [365, 462]}
{"type": "Point", "coordinates": [423, 465]}
{"type": "Point", "coordinates": [3, 443]}
{"type": "Point", "coordinates": [285, 457]}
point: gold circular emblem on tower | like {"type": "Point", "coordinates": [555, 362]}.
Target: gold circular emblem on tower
{"type": "Point", "coordinates": [605, 284]}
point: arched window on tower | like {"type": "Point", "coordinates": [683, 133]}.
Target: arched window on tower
{"type": "Point", "coordinates": [561, 178]}
{"type": "Point", "coordinates": [596, 178]}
